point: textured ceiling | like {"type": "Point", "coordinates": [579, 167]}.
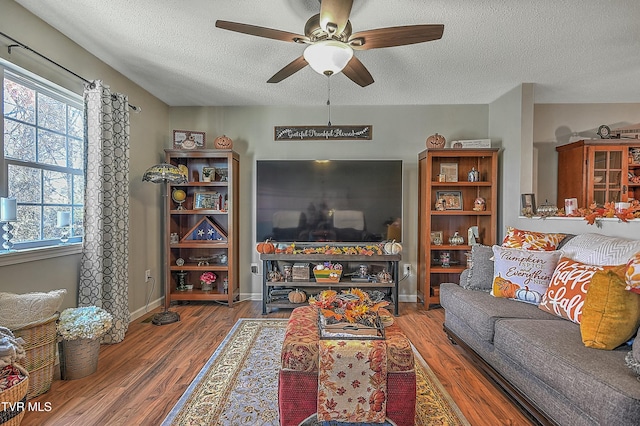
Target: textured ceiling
{"type": "Point", "coordinates": [575, 51]}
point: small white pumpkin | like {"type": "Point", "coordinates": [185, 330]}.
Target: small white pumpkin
{"type": "Point", "coordinates": [528, 296]}
{"type": "Point", "coordinates": [391, 247]}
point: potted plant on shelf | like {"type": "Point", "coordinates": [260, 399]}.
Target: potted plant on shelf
{"type": "Point", "coordinates": [206, 280]}
{"type": "Point", "coordinates": [80, 330]}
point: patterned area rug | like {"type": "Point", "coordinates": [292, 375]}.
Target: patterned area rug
{"type": "Point", "coordinates": [239, 383]}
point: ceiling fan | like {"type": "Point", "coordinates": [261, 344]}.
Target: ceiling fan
{"type": "Point", "coordinates": [331, 41]}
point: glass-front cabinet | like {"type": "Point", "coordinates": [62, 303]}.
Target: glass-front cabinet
{"type": "Point", "coordinates": [609, 173]}
{"type": "Point", "coordinates": [599, 171]}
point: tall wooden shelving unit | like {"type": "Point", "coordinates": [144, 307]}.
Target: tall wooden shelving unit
{"type": "Point", "coordinates": [430, 272]}
{"type": "Point", "coordinates": [216, 248]}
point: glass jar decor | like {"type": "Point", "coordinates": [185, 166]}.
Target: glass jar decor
{"type": "Point", "coordinates": [456, 239]}
{"type": "Point", "coordinates": [547, 209]}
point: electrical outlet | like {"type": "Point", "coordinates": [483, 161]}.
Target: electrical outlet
{"type": "Point", "coordinates": [254, 268]}
{"type": "Point", "coordinates": [407, 268]}
{"type": "Point", "coordinates": [147, 275]}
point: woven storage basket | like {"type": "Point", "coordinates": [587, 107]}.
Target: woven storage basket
{"type": "Point", "coordinates": [40, 345]}
{"type": "Point", "coordinates": [16, 393]}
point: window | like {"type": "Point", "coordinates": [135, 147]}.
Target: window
{"type": "Point", "coordinates": [43, 157]}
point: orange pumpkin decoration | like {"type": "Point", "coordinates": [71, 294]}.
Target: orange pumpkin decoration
{"type": "Point", "coordinates": [297, 296]}
{"type": "Point", "coordinates": [223, 142]}
{"type": "Point", "coordinates": [266, 247]}
{"type": "Point", "coordinates": [436, 141]}
{"type": "Point", "coordinates": [504, 288]}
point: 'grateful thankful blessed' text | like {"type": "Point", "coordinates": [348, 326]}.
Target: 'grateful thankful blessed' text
{"type": "Point", "coordinates": [301, 133]}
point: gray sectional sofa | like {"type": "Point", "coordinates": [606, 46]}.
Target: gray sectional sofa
{"type": "Point", "coordinates": [541, 361]}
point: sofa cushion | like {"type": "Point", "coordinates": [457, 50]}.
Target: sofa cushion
{"type": "Point", "coordinates": [480, 310]}
{"type": "Point", "coordinates": [610, 315]}
{"type": "Point", "coordinates": [568, 288]}
{"type": "Point", "coordinates": [597, 249]}
{"type": "Point", "coordinates": [529, 240]}
{"type": "Point", "coordinates": [632, 273]}
{"type": "Point", "coordinates": [598, 382]}
{"type": "Point", "coordinates": [20, 310]}
{"type": "Point", "coordinates": [480, 273]}
{"type": "Point", "coordinates": [522, 275]}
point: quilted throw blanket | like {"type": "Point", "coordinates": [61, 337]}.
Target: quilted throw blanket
{"type": "Point", "coordinates": [352, 381]}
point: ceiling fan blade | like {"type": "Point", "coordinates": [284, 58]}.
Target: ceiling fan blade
{"type": "Point", "coordinates": [334, 15]}
{"type": "Point", "coordinates": [261, 31]}
{"type": "Point", "coordinates": [357, 72]}
{"type": "Point", "coordinates": [395, 36]}
{"type": "Point", "coordinates": [290, 69]}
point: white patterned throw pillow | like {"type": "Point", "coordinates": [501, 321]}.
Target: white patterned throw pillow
{"type": "Point", "coordinates": [19, 310]}
{"type": "Point", "coordinates": [602, 250]}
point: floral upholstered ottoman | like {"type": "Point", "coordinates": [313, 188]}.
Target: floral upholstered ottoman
{"type": "Point", "coordinates": [298, 378]}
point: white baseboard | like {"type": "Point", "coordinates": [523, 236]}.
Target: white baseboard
{"type": "Point", "coordinates": [146, 309]}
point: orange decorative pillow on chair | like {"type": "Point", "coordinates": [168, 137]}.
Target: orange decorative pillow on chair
{"type": "Point", "coordinates": [529, 240]}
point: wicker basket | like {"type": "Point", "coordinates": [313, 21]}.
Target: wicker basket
{"type": "Point", "coordinates": [40, 347]}
{"type": "Point", "coordinates": [79, 358]}
{"type": "Point", "coordinates": [12, 415]}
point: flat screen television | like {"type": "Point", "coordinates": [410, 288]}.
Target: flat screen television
{"type": "Point", "coordinates": [329, 200]}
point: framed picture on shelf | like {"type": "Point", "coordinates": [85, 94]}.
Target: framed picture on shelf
{"type": "Point", "coordinates": [450, 171]}
{"type": "Point", "coordinates": [188, 139]}
{"type": "Point", "coordinates": [437, 237]}
{"type": "Point", "coordinates": [528, 204]}
{"type": "Point", "coordinates": [208, 174]}
{"type": "Point", "coordinates": [452, 199]}
{"type": "Point", "coordinates": [206, 200]}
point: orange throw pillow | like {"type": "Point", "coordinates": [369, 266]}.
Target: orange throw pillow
{"type": "Point", "coordinates": [529, 240]}
{"type": "Point", "coordinates": [632, 273]}
{"type": "Point", "coordinates": [610, 315]}
{"type": "Point", "coordinates": [568, 288]}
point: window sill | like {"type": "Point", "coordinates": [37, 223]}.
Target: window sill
{"type": "Point", "coordinates": [23, 256]}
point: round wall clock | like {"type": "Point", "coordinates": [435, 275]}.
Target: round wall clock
{"type": "Point", "coordinates": [604, 132]}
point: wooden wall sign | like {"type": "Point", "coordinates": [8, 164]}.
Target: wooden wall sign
{"type": "Point", "coordinates": [316, 133]}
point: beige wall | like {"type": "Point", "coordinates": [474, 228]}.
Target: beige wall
{"type": "Point", "coordinates": [150, 133]}
{"type": "Point", "coordinates": [558, 124]}
{"type": "Point", "coordinates": [399, 132]}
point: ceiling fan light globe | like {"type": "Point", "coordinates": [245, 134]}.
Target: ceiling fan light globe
{"type": "Point", "coordinates": [328, 56]}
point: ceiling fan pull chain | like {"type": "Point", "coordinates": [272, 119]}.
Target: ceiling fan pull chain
{"type": "Point", "coordinates": [329, 98]}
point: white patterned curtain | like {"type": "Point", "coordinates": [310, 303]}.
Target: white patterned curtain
{"type": "Point", "coordinates": [105, 256]}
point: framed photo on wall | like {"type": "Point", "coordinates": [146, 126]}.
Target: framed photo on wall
{"type": "Point", "coordinates": [188, 139]}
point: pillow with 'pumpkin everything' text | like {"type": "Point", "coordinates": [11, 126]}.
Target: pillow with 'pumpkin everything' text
{"type": "Point", "coordinates": [522, 275]}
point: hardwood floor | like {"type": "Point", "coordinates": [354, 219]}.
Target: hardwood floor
{"type": "Point", "coordinates": [139, 380]}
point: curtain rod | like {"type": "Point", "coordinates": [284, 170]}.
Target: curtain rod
{"type": "Point", "coordinates": [24, 46]}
